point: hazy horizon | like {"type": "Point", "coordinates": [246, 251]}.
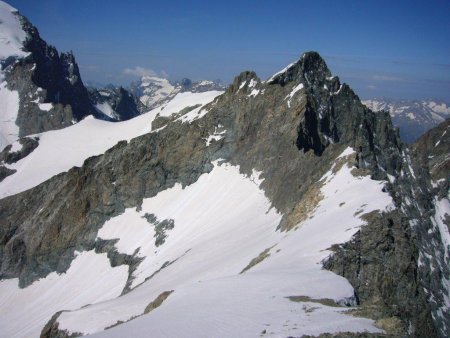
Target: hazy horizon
{"type": "Point", "coordinates": [381, 49]}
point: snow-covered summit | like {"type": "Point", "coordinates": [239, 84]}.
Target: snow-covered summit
{"type": "Point", "coordinates": [12, 34]}
{"type": "Point", "coordinates": [153, 91]}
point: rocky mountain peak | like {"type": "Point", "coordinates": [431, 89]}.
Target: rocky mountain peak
{"type": "Point", "coordinates": [43, 86]}
{"type": "Point", "coordinates": [244, 79]}
{"type": "Point", "coordinates": [310, 69]}
{"type": "Point", "coordinates": [290, 136]}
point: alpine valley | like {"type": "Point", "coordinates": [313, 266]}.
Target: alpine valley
{"type": "Point", "coordinates": [278, 208]}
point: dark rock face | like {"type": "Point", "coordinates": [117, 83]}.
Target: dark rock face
{"type": "Point", "coordinates": [432, 151]}
{"type": "Point", "coordinates": [292, 134]}
{"type": "Point", "coordinates": [161, 227]}
{"type": "Point", "coordinates": [381, 264]}
{"type": "Point", "coordinates": [28, 145]}
{"type": "Point", "coordinates": [124, 104]}
{"type": "Point", "coordinates": [57, 73]}
{"type": "Point", "coordinates": [45, 76]}
{"type": "Point", "coordinates": [5, 172]}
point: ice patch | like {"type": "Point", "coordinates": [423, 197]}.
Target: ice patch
{"type": "Point", "coordinates": [347, 152]}
{"type": "Point", "coordinates": [252, 83]}
{"type": "Point", "coordinates": [16, 146]}
{"type": "Point", "coordinates": [292, 93]}
{"type": "Point", "coordinates": [217, 135]}
{"type": "Point", "coordinates": [45, 106]}
{"type": "Point", "coordinates": [254, 93]}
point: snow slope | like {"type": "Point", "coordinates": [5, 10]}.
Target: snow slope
{"type": "Point", "coordinates": [60, 150]}
{"type": "Point", "coordinates": [12, 37]}
{"type": "Point", "coordinates": [9, 108]}
{"type": "Point", "coordinates": [90, 279]}
{"type": "Point", "coordinates": [106, 109]}
{"type": "Point", "coordinates": [221, 223]}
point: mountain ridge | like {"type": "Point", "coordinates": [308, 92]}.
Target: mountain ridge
{"type": "Point", "coordinates": [306, 117]}
{"type": "Point", "coordinates": [272, 207]}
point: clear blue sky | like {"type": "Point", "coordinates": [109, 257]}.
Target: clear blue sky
{"type": "Point", "coordinates": [398, 49]}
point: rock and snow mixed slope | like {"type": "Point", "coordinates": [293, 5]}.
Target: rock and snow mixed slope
{"type": "Point", "coordinates": [413, 117]}
{"type": "Point", "coordinates": [60, 150]}
{"type": "Point", "coordinates": [222, 217]}
{"type": "Point", "coordinates": [12, 37]}
{"type": "Point", "coordinates": [40, 89]}
{"type": "Point", "coordinates": [221, 223]}
{"type": "Point", "coordinates": [115, 103]}
{"type": "Point", "coordinates": [433, 153]}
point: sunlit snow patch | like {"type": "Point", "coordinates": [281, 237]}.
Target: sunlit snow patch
{"type": "Point", "coordinates": [90, 279]}
{"type": "Point", "coordinates": [12, 35]}
{"type": "Point", "coordinates": [292, 93]}
{"type": "Point", "coordinates": [216, 136]}
{"type": "Point", "coordinates": [9, 109]}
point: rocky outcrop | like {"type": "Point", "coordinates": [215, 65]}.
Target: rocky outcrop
{"type": "Point", "coordinates": [291, 128]}
{"type": "Point", "coordinates": [51, 92]}
{"type": "Point", "coordinates": [115, 103]}
{"type": "Point", "coordinates": [27, 146]}
{"type": "Point", "coordinates": [433, 149]}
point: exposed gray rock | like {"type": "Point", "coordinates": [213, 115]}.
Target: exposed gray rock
{"type": "Point", "coordinates": [5, 172]}
{"type": "Point", "coordinates": [28, 145]}
{"type": "Point", "coordinates": [161, 227]}
{"type": "Point", "coordinates": [292, 136]}
{"type": "Point", "coordinates": [51, 329]}
{"type": "Point", "coordinates": [432, 151]}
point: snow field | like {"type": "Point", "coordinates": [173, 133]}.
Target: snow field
{"type": "Point", "coordinates": [90, 279]}
{"type": "Point", "coordinates": [9, 109]}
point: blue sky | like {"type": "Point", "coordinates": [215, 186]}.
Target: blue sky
{"type": "Point", "coordinates": [398, 49]}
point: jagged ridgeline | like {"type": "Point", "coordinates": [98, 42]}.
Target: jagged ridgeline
{"type": "Point", "coordinates": [52, 94]}
{"type": "Point", "coordinates": [271, 209]}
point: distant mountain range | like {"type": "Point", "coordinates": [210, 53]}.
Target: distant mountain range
{"type": "Point", "coordinates": [153, 91]}
{"type": "Point", "coordinates": [413, 117]}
